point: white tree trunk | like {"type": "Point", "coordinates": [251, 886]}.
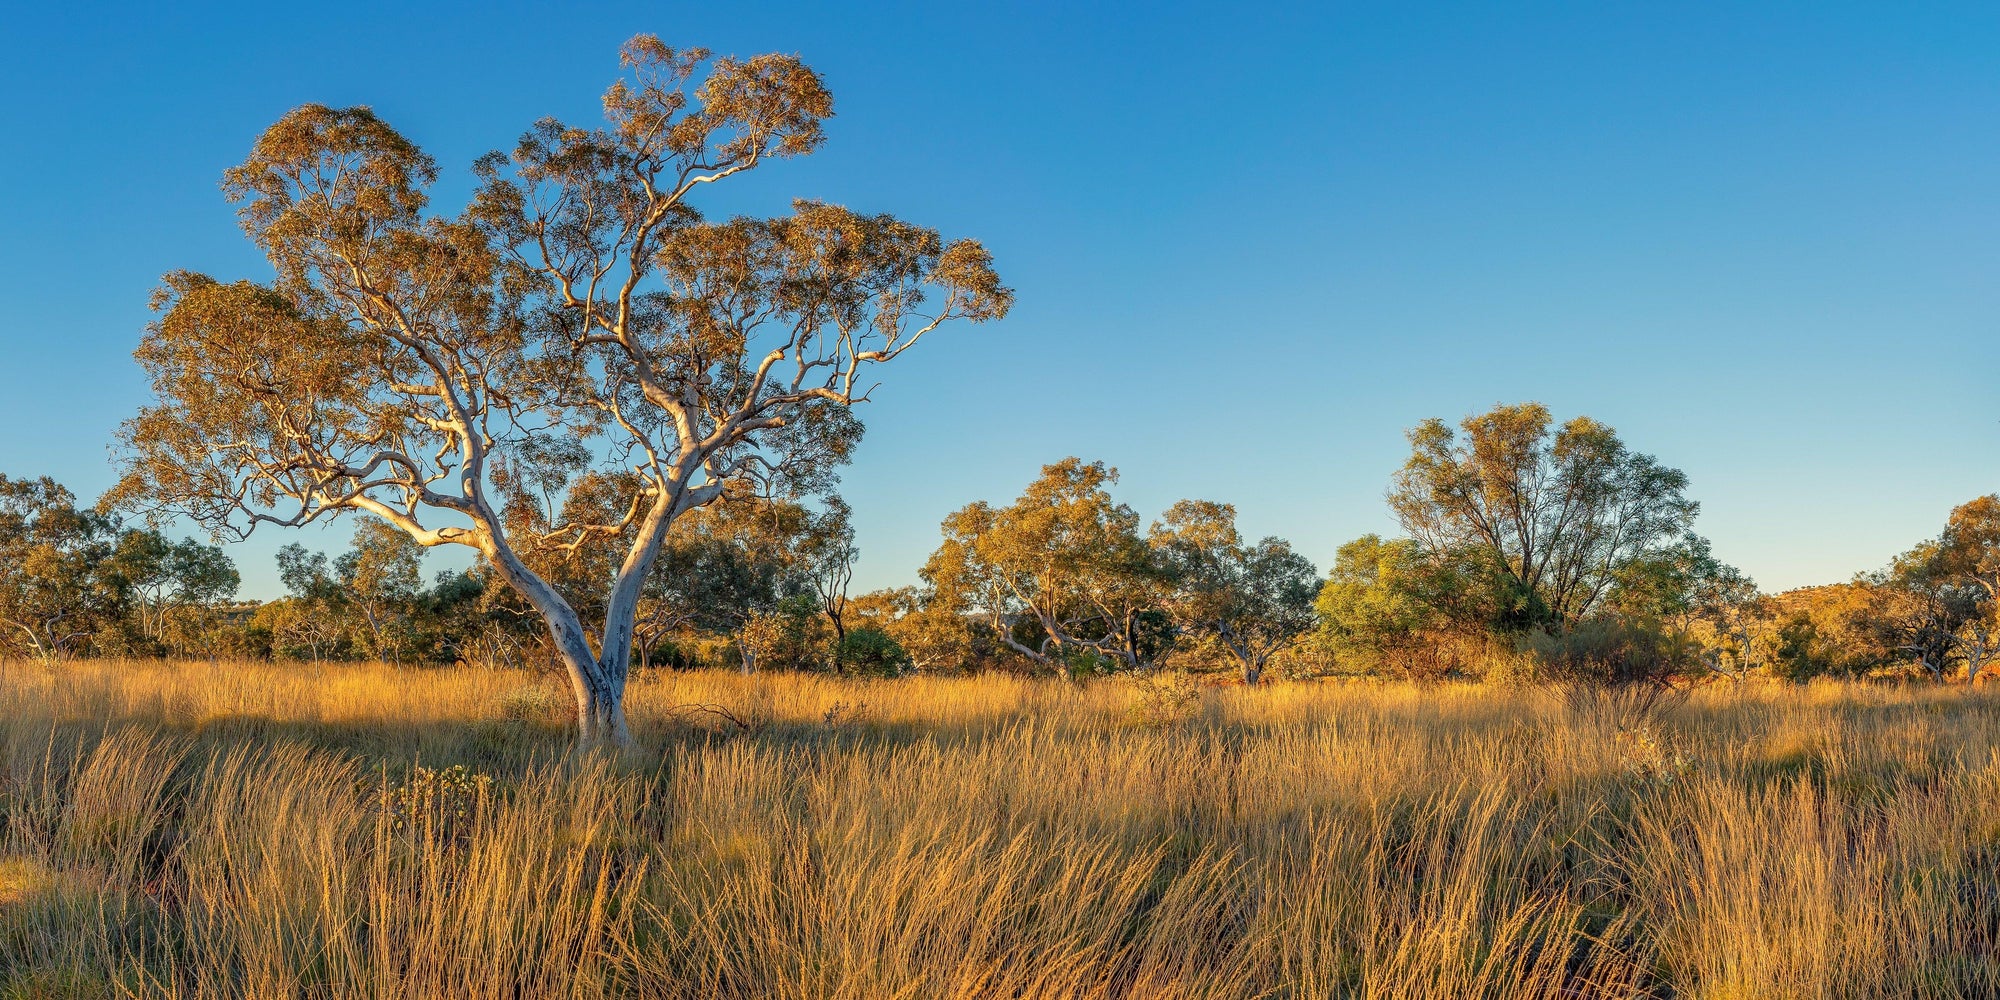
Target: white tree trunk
{"type": "Point", "coordinates": [598, 681]}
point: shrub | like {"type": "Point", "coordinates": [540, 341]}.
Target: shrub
{"type": "Point", "coordinates": [1601, 652]}
{"type": "Point", "coordinates": [871, 651]}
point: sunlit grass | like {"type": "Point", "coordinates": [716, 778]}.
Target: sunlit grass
{"type": "Point", "coordinates": [247, 830]}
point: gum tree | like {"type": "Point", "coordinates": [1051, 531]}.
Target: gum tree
{"type": "Point", "coordinates": [1255, 599]}
{"type": "Point", "coordinates": [1555, 514]}
{"type": "Point", "coordinates": [54, 591]}
{"type": "Point", "coordinates": [167, 579]}
{"type": "Point", "coordinates": [1060, 571]}
{"type": "Point", "coordinates": [405, 363]}
{"type": "Point", "coordinates": [1970, 549]}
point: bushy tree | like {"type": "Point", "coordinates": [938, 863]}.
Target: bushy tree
{"type": "Point", "coordinates": [174, 588]}
{"type": "Point", "coordinates": [935, 630]}
{"type": "Point", "coordinates": [792, 635]}
{"type": "Point", "coordinates": [1059, 573]}
{"type": "Point", "coordinates": [1255, 600]}
{"type": "Point", "coordinates": [1554, 514]}
{"type": "Point", "coordinates": [725, 567]}
{"type": "Point", "coordinates": [870, 651]}
{"type": "Point", "coordinates": [55, 592]}
{"type": "Point", "coordinates": [1698, 607]}
{"type": "Point", "coordinates": [1969, 550]}
{"type": "Point", "coordinates": [1920, 608]}
{"type": "Point", "coordinates": [1378, 601]}
{"type": "Point", "coordinates": [380, 578]}
{"type": "Point", "coordinates": [1830, 630]}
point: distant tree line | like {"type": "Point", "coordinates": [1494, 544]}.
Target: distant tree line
{"type": "Point", "coordinates": [1530, 551]}
{"type": "Point", "coordinates": [75, 581]}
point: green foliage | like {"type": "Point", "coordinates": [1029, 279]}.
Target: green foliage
{"type": "Point", "coordinates": [1385, 606]}
{"type": "Point", "coordinates": [1798, 657]}
{"type": "Point", "coordinates": [1374, 594]}
{"type": "Point", "coordinates": [55, 590]}
{"type": "Point", "coordinates": [1058, 574]}
{"type": "Point", "coordinates": [794, 635]}
{"type": "Point", "coordinates": [1553, 513]}
{"type": "Point", "coordinates": [1603, 651]}
{"type": "Point", "coordinates": [1253, 600]}
{"type": "Point", "coordinates": [871, 652]}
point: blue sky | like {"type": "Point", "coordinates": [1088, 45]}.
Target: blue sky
{"type": "Point", "coordinates": [1252, 243]}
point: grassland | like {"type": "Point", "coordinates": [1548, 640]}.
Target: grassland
{"type": "Point", "coordinates": [255, 831]}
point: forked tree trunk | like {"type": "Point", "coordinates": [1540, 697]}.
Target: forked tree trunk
{"type": "Point", "coordinates": [1253, 663]}
{"type": "Point", "coordinates": [599, 687]}
{"type": "Point", "coordinates": [596, 679]}
{"type": "Point", "coordinates": [600, 714]}
{"type": "Point", "coordinates": [1978, 652]}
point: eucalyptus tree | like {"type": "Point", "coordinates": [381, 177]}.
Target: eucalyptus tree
{"type": "Point", "coordinates": [165, 577]}
{"type": "Point", "coordinates": [1920, 607]}
{"type": "Point", "coordinates": [400, 355]}
{"type": "Point", "coordinates": [1556, 514]}
{"type": "Point", "coordinates": [1381, 600]}
{"type": "Point", "coordinates": [1062, 570]}
{"type": "Point", "coordinates": [55, 593]}
{"type": "Point", "coordinates": [826, 553]}
{"type": "Point", "coordinates": [933, 628]}
{"type": "Point", "coordinates": [1734, 610]}
{"type": "Point", "coordinates": [725, 566]}
{"type": "Point", "coordinates": [1701, 608]}
{"type": "Point", "coordinates": [1255, 599]}
{"type": "Point", "coordinates": [381, 579]}
{"type": "Point", "coordinates": [1970, 549]}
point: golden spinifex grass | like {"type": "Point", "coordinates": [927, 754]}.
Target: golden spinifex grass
{"type": "Point", "coordinates": [257, 831]}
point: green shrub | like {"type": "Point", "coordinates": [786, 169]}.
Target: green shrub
{"type": "Point", "coordinates": [870, 651]}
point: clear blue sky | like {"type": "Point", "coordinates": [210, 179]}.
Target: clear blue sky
{"type": "Point", "coordinates": [1252, 243]}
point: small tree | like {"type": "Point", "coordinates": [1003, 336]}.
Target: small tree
{"type": "Point", "coordinates": [1701, 607]}
{"type": "Point", "coordinates": [401, 361]}
{"type": "Point", "coordinates": [381, 579]}
{"type": "Point", "coordinates": [1797, 656]}
{"type": "Point", "coordinates": [1734, 611]}
{"type": "Point", "coordinates": [725, 567]}
{"type": "Point", "coordinates": [1375, 602]}
{"type": "Point", "coordinates": [1554, 513]}
{"type": "Point", "coordinates": [168, 579]}
{"type": "Point", "coordinates": [54, 590]}
{"type": "Point", "coordinates": [934, 630]}
{"type": "Point", "coordinates": [1256, 600]}
{"type": "Point", "coordinates": [1061, 574]}
{"type": "Point", "coordinates": [1970, 550]}
{"type": "Point", "coordinates": [1920, 608]}
{"type": "Point", "coordinates": [870, 651]}
{"type": "Point", "coordinates": [791, 635]}
{"type": "Point", "coordinates": [310, 620]}
{"type": "Point", "coordinates": [826, 556]}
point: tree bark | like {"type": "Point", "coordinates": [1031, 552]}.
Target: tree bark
{"type": "Point", "coordinates": [597, 680]}
{"type": "Point", "coordinates": [599, 688]}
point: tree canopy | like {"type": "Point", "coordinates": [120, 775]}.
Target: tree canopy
{"type": "Point", "coordinates": [1556, 514]}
